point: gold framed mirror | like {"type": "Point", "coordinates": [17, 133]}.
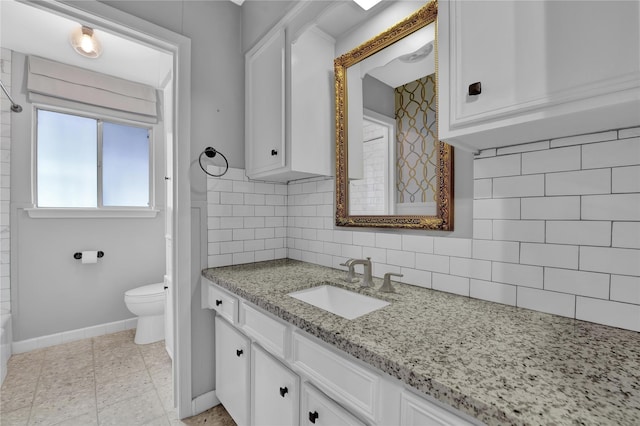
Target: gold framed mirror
{"type": "Point", "coordinates": [392, 171]}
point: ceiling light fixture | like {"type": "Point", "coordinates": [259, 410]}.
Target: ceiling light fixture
{"type": "Point", "coordinates": [367, 4]}
{"type": "Point", "coordinates": [85, 42]}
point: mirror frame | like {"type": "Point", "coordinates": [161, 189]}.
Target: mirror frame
{"type": "Point", "coordinates": [443, 219]}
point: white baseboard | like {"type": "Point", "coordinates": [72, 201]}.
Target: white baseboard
{"type": "Point", "coordinates": [203, 402]}
{"type": "Point", "coordinates": [72, 335]}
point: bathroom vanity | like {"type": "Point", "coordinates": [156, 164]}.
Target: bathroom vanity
{"type": "Point", "coordinates": [427, 357]}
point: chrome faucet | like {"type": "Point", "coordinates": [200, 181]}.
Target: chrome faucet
{"type": "Point", "coordinates": [367, 279]}
{"type": "Point", "coordinates": [386, 283]}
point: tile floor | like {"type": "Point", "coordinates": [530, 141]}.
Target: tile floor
{"type": "Point", "coordinates": [105, 380]}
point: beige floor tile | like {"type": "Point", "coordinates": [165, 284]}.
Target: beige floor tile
{"type": "Point", "coordinates": [102, 357]}
{"type": "Point", "coordinates": [122, 388]}
{"type": "Point", "coordinates": [86, 419]}
{"type": "Point", "coordinates": [155, 356]}
{"type": "Point", "coordinates": [15, 418]}
{"type": "Point", "coordinates": [79, 381]}
{"type": "Point", "coordinates": [75, 347]}
{"type": "Point", "coordinates": [117, 367]}
{"type": "Point", "coordinates": [61, 363]}
{"type": "Point", "coordinates": [160, 421]}
{"type": "Point", "coordinates": [133, 411]}
{"type": "Point", "coordinates": [62, 407]}
{"type": "Point", "coordinates": [15, 395]}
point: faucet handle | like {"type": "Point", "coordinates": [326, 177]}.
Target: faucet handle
{"type": "Point", "coordinates": [386, 283]}
{"type": "Point", "coordinates": [351, 274]}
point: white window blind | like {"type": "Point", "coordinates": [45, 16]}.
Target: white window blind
{"type": "Point", "coordinates": [65, 85]}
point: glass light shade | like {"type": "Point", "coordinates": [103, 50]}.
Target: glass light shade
{"type": "Point", "coordinates": [85, 43]}
{"type": "Point", "coordinates": [367, 4]}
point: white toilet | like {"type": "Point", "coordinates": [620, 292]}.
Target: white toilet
{"type": "Point", "coordinates": [147, 302]}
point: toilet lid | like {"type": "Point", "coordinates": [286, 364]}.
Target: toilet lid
{"type": "Point", "coordinates": [146, 290]}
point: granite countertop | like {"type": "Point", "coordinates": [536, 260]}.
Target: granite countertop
{"type": "Point", "coordinates": [497, 363]}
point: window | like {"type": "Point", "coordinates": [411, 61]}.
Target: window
{"type": "Point", "coordinates": [85, 162]}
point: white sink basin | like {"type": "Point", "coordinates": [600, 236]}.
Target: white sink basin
{"type": "Point", "coordinates": [339, 301]}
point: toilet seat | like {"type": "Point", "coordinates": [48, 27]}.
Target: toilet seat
{"type": "Point", "coordinates": [149, 290]}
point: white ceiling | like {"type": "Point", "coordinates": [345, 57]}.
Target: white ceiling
{"type": "Point", "coordinates": [33, 31]}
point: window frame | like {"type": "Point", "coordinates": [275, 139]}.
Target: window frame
{"type": "Point", "coordinates": [100, 210]}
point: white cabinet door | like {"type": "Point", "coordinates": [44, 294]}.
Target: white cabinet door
{"type": "Point", "coordinates": [275, 391]}
{"type": "Point", "coordinates": [232, 371]}
{"type": "Point", "coordinates": [416, 411]}
{"type": "Point", "coordinates": [265, 105]}
{"type": "Point", "coordinates": [318, 409]}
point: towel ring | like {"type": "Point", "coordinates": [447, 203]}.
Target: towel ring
{"type": "Point", "coordinates": [211, 152]}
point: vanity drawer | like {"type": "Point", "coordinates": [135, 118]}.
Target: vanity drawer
{"type": "Point", "coordinates": [268, 331]}
{"type": "Point", "coordinates": [223, 303]}
{"type": "Point", "coordinates": [349, 382]}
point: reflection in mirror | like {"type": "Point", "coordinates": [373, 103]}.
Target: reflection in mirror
{"type": "Point", "coordinates": [398, 173]}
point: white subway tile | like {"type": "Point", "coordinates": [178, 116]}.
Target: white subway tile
{"type": "Point", "coordinates": [460, 247]}
{"type": "Point", "coordinates": [625, 179]}
{"type": "Point", "coordinates": [352, 252]}
{"type": "Point", "coordinates": [231, 247]}
{"type": "Point", "coordinates": [364, 239]}
{"type": "Point", "coordinates": [483, 229]}
{"type": "Point", "coordinates": [417, 243]}
{"type": "Point", "coordinates": [610, 260]}
{"type": "Point", "coordinates": [518, 186]}
{"type": "Point", "coordinates": [615, 314]}
{"type": "Point", "coordinates": [584, 139]}
{"type": "Point", "coordinates": [629, 133]}
{"type": "Point", "coordinates": [597, 181]}
{"type": "Point", "coordinates": [213, 222]}
{"type": "Point", "coordinates": [501, 251]}
{"type": "Point", "coordinates": [243, 234]}
{"type": "Point", "coordinates": [505, 208]}
{"type": "Point", "coordinates": [491, 152]}
{"type": "Point", "coordinates": [325, 234]}
{"type": "Point", "coordinates": [213, 248]}
{"type": "Point", "coordinates": [254, 222]}
{"type": "Point", "coordinates": [546, 301]}
{"type": "Point", "coordinates": [219, 185]}
{"type": "Point", "coordinates": [264, 211]}
{"type": "Point", "coordinates": [325, 185]}
{"type": "Point", "coordinates": [405, 259]}
{"type": "Point", "coordinates": [626, 235]}
{"type": "Point", "coordinates": [581, 283]}
{"type": "Point", "coordinates": [264, 188]}
{"type": "Point", "coordinates": [333, 249]}
{"type": "Point", "coordinates": [493, 292]}
{"type": "Point", "coordinates": [213, 197]}
{"type": "Point", "coordinates": [432, 262]}
{"type": "Point", "coordinates": [254, 199]}
{"type": "Point", "coordinates": [273, 243]}
{"type": "Point", "coordinates": [275, 200]}
{"type": "Point", "coordinates": [450, 284]}
{"type": "Point", "coordinates": [482, 188]}
{"type": "Point", "coordinates": [551, 208]}
{"type": "Point", "coordinates": [234, 174]}
{"type": "Point", "coordinates": [309, 234]}
{"type": "Point", "coordinates": [254, 245]}
{"type": "Point", "coordinates": [519, 230]}
{"type": "Point", "coordinates": [309, 187]}
{"type": "Point", "coordinates": [625, 152]}
{"type": "Point", "coordinates": [243, 210]}
{"type": "Point", "coordinates": [274, 222]}
{"type": "Point", "coordinates": [561, 256]}
{"type": "Point", "coordinates": [231, 198]}
{"type": "Point", "coordinates": [294, 254]}
{"type": "Point", "coordinates": [527, 147]}
{"type": "Point", "coordinates": [379, 269]}
{"type": "Point", "coordinates": [416, 277]}
{"type": "Point", "coordinates": [280, 189]}
{"type": "Point", "coordinates": [242, 186]}
{"type": "Point", "coordinates": [219, 235]}
{"type": "Point", "coordinates": [625, 289]}
{"type": "Point", "coordinates": [242, 258]}
{"type": "Point", "coordinates": [302, 245]}
{"type": "Point", "coordinates": [262, 255]}
{"type": "Point", "coordinates": [324, 260]}
{"type": "Point", "coordinates": [280, 232]}
{"type": "Point", "coordinates": [263, 233]}
{"type": "Point", "coordinates": [343, 237]}
{"type": "Point", "coordinates": [470, 268]}
{"type": "Point", "coordinates": [316, 246]}
{"type": "Point", "coordinates": [389, 241]}
{"type": "Point", "coordinates": [506, 165]}
{"type": "Point", "coordinates": [553, 160]}
{"type": "Point", "coordinates": [587, 233]}
{"type": "Point", "coordinates": [219, 210]}
{"type": "Point", "coordinates": [219, 260]}
{"type": "Point", "coordinates": [325, 211]}
{"type": "Point", "coordinates": [376, 254]}
{"type": "Point", "coordinates": [611, 207]}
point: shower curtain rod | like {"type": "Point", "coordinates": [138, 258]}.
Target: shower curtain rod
{"type": "Point", "coordinates": [14, 106]}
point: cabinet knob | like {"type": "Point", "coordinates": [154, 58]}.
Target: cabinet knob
{"type": "Point", "coordinates": [313, 416]}
{"type": "Point", "coordinates": [274, 152]}
{"type": "Point", "coordinates": [239, 352]}
{"type": "Point", "coordinates": [283, 391]}
{"type": "Point", "coordinates": [218, 302]}
{"type": "Point", "coordinates": [475, 89]}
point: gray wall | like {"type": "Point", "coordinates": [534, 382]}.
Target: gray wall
{"type": "Point", "coordinates": [378, 97]}
{"type": "Point", "coordinates": [51, 291]}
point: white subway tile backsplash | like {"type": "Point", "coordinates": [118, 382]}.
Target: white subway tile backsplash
{"type": "Point", "coordinates": [273, 243]}
{"type": "Point", "coordinates": [263, 233]}
{"type": "Point", "coordinates": [415, 277]}
{"type": "Point", "coordinates": [212, 222]}
{"type": "Point", "coordinates": [343, 237]}
{"type": "Point", "coordinates": [597, 181]}
{"type": "Point", "coordinates": [615, 314]}
{"type": "Point", "coordinates": [588, 233]}
{"type": "Point", "coordinates": [470, 268]}
{"type": "Point", "coordinates": [219, 235]}
{"type": "Point", "coordinates": [241, 258]}
{"type": "Point", "coordinates": [460, 247]}
{"type": "Point", "coordinates": [584, 139]}
{"type": "Point", "coordinates": [352, 252]}
{"type": "Point", "coordinates": [262, 255]}
{"type": "Point", "coordinates": [243, 186]}
{"type": "Point", "coordinates": [450, 284]}
{"type": "Point", "coordinates": [254, 245]}
{"type": "Point", "coordinates": [309, 187]}
{"type": "Point", "coordinates": [626, 235]}
{"type": "Point", "coordinates": [482, 188]}
{"type": "Point", "coordinates": [231, 247]}
{"type": "Point", "coordinates": [581, 283]}
{"type": "Point", "coordinates": [254, 199]}
{"type": "Point", "coordinates": [213, 261]}
{"type": "Point", "coordinates": [389, 241]}
{"type": "Point", "coordinates": [551, 208]}
{"type": "Point", "coordinates": [625, 179]}
{"type": "Point", "coordinates": [254, 222]}
{"type": "Point", "coordinates": [264, 188]}
{"type": "Point", "coordinates": [552, 160]}
{"type": "Point", "coordinates": [376, 254]}
{"type": "Point", "coordinates": [527, 147]}
{"type": "Point", "coordinates": [493, 292]}
{"type": "Point", "coordinates": [231, 198]}
{"type": "Point", "coordinates": [266, 211]}
{"type": "Point", "coordinates": [506, 165]}
{"type": "Point", "coordinates": [243, 234]}
{"type": "Point", "coordinates": [309, 234]}
{"type": "Point", "coordinates": [274, 222]}
{"type": "Point", "coordinates": [625, 152]}
{"type": "Point", "coordinates": [325, 185]}
{"type": "Point", "coordinates": [432, 262]}
{"type": "Point", "coordinates": [491, 152]}
{"type": "Point", "coordinates": [560, 256]}
{"type": "Point", "coordinates": [506, 208]}
{"type": "Point", "coordinates": [518, 186]}
{"type": "Point", "coordinates": [275, 200]}
{"type": "Point", "coordinates": [379, 269]}
{"type": "Point", "coordinates": [242, 210]}
{"type": "Point", "coordinates": [406, 259]}
{"type": "Point", "coordinates": [501, 251]}
{"type": "Point", "coordinates": [519, 230]}
{"type": "Point", "coordinates": [610, 260]}
{"type": "Point", "coordinates": [333, 249]}
{"type": "Point", "coordinates": [327, 235]}
{"type": "Point", "coordinates": [611, 207]}
{"type": "Point", "coordinates": [364, 239]}
{"type": "Point", "coordinates": [219, 210]}
{"type": "Point", "coordinates": [629, 133]}
{"type": "Point", "coordinates": [417, 243]}
{"type": "Point", "coordinates": [625, 289]}
{"type": "Point", "coordinates": [546, 301]}
{"type": "Point", "coordinates": [483, 229]}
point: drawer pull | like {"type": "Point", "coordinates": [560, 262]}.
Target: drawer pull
{"type": "Point", "coordinates": [313, 416]}
{"type": "Point", "coordinates": [274, 152]}
{"type": "Point", "coordinates": [218, 302]}
{"type": "Point", "coordinates": [283, 391]}
{"type": "Point", "coordinates": [239, 352]}
{"type": "Point", "coordinates": [475, 89]}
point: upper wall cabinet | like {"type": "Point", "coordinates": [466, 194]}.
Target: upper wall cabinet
{"type": "Point", "coordinates": [520, 71]}
{"type": "Point", "coordinates": [289, 94]}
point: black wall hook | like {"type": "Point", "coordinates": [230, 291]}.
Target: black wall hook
{"type": "Point", "coordinates": [78, 255]}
